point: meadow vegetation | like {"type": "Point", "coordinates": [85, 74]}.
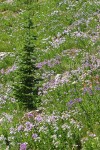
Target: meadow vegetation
{"type": "Point", "coordinates": [67, 52]}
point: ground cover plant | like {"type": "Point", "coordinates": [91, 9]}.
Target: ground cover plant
{"type": "Point", "coordinates": [68, 60]}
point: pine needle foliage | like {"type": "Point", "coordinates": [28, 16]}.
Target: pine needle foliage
{"type": "Point", "coordinates": [26, 83]}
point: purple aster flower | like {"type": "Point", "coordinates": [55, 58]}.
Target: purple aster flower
{"type": "Point", "coordinates": [23, 146]}
{"type": "Point", "coordinates": [78, 100]}
{"type": "Point", "coordinates": [20, 128]}
{"type": "Point", "coordinates": [34, 136]}
{"type": "Point", "coordinates": [39, 65]}
{"type": "Point", "coordinates": [2, 71]}
{"type": "Point", "coordinates": [51, 118]}
{"type": "Point", "coordinates": [30, 115]}
{"type": "Point", "coordinates": [29, 126]}
{"type": "Point", "coordinates": [38, 118]}
{"type": "Point", "coordinates": [97, 88]}
{"type": "Point", "coordinates": [87, 90]}
{"type": "Point", "coordinates": [72, 102]}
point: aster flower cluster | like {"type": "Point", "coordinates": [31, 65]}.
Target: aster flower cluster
{"type": "Point", "coordinates": [44, 124]}
{"type": "Point", "coordinates": [56, 125]}
{"type": "Point", "coordinates": [90, 64]}
{"type": "Point", "coordinates": [50, 63]}
{"type": "Point", "coordinates": [8, 70]}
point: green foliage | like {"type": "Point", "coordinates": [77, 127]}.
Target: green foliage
{"type": "Point", "coordinates": [26, 89]}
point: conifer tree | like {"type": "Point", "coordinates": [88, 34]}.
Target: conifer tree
{"type": "Point", "coordinates": [26, 81]}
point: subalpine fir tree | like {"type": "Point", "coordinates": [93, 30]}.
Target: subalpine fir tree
{"type": "Point", "coordinates": [26, 81]}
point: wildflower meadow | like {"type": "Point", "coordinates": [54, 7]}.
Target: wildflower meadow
{"type": "Point", "coordinates": [49, 74]}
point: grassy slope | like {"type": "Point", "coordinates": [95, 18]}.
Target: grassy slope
{"type": "Point", "coordinates": [68, 45]}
